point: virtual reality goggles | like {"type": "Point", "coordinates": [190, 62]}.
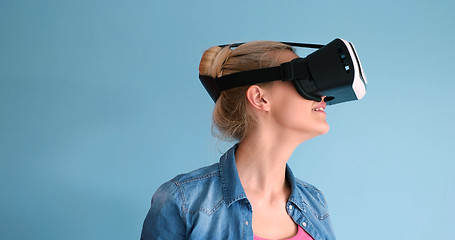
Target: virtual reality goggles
{"type": "Point", "coordinates": [334, 71]}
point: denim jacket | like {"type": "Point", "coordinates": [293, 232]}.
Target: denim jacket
{"type": "Point", "coordinates": [210, 203]}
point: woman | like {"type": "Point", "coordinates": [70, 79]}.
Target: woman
{"type": "Point", "coordinates": [251, 193]}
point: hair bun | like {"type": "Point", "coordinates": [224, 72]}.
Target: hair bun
{"type": "Point", "coordinates": [212, 61]}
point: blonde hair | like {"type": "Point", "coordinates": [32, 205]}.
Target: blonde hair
{"type": "Point", "coordinates": [231, 115]}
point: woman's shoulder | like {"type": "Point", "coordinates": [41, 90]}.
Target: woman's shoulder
{"type": "Point", "coordinates": [193, 187]}
{"type": "Point", "coordinates": [197, 175]}
{"type": "Point", "coordinates": [190, 178]}
{"type": "Point", "coordinates": [174, 200]}
{"type": "Point", "coordinates": [312, 197]}
{"type": "Point", "coordinates": [307, 187]}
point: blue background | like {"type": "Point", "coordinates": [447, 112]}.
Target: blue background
{"type": "Point", "coordinates": [100, 104]}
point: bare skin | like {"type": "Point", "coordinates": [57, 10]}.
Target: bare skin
{"type": "Point", "coordinates": [283, 120]}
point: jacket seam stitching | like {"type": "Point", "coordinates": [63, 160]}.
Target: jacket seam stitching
{"type": "Point", "coordinates": [182, 197]}
{"type": "Point", "coordinates": [199, 178]}
{"type": "Point", "coordinates": [207, 211]}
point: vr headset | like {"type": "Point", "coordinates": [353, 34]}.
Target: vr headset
{"type": "Point", "coordinates": [334, 71]}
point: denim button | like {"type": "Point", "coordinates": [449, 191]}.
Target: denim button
{"type": "Point", "coordinates": [290, 207]}
{"type": "Point", "coordinates": [246, 222]}
{"type": "Point", "coordinates": [304, 224]}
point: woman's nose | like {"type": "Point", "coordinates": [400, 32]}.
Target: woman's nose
{"type": "Point", "coordinates": [322, 98]}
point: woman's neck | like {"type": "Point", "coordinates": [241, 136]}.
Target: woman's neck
{"type": "Point", "coordinates": [261, 163]}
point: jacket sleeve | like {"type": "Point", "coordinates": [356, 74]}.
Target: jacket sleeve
{"type": "Point", "coordinates": [165, 219]}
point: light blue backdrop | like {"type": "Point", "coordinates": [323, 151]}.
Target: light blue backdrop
{"type": "Point", "coordinates": [100, 103]}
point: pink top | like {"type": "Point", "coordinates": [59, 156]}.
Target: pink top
{"type": "Point", "coordinates": [301, 235]}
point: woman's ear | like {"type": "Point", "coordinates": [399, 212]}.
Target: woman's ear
{"type": "Point", "coordinates": [259, 98]}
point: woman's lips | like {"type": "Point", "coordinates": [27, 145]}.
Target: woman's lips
{"type": "Point", "coordinates": [320, 107]}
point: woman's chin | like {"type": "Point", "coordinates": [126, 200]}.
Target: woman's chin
{"type": "Point", "coordinates": [326, 130]}
{"type": "Point", "coordinates": [323, 129]}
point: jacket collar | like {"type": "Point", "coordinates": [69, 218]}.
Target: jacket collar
{"type": "Point", "coordinates": [295, 196]}
{"type": "Point", "coordinates": [232, 187]}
